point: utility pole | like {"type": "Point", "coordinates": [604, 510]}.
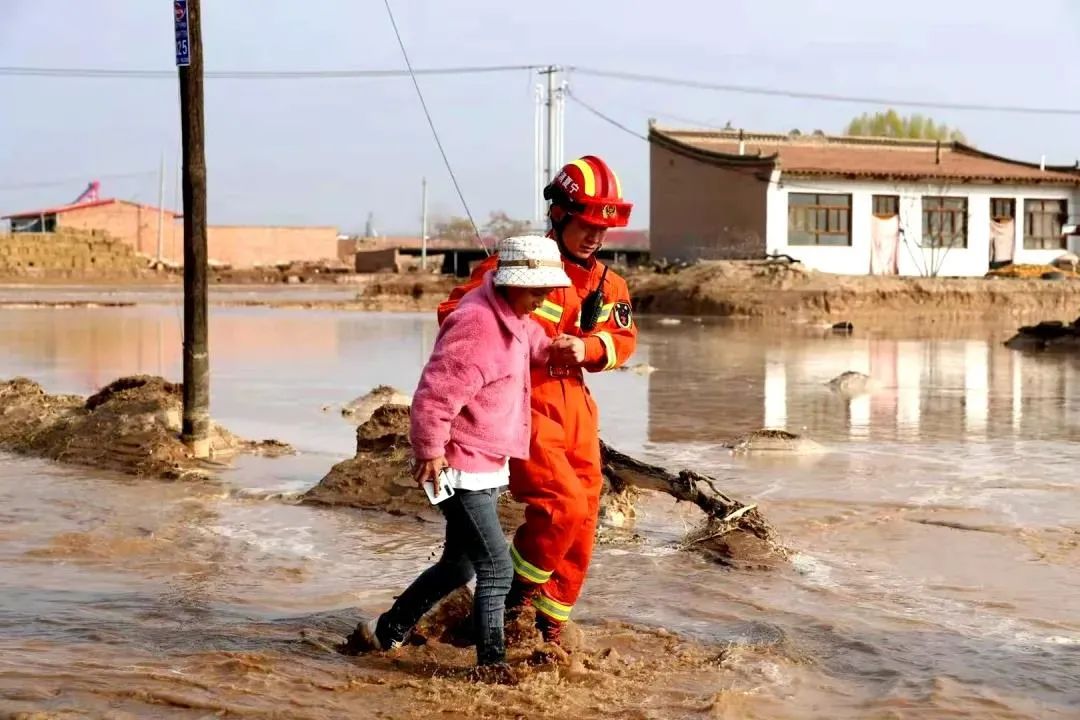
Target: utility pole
{"type": "Point", "coordinates": [548, 160]}
{"type": "Point", "coordinates": [189, 59]}
{"type": "Point", "coordinates": [423, 224]}
{"type": "Point", "coordinates": [538, 153]}
{"type": "Point", "coordinates": [552, 122]}
{"type": "Point", "coordinates": [161, 206]}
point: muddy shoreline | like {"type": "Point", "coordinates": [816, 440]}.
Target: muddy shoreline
{"type": "Point", "coordinates": [779, 291]}
{"type": "Point", "coordinates": [722, 289]}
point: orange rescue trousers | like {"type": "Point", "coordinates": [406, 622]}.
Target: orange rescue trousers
{"type": "Point", "coordinates": [560, 485]}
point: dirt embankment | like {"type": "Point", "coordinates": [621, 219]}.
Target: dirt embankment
{"type": "Point", "coordinates": [380, 292]}
{"type": "Point", "coordinates": [132, 426]}
{"type": "Point", "coordinates": [777, 290]}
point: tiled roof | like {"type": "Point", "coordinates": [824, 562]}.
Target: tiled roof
{"type": "Point", "coordinates": [627, 240]}
{"type": "Point", "coordinates": [79, 206]}
{"type": "Point", "coordinates": [867, 158]}
{"type": "Point", "coordinates": [615, 240]}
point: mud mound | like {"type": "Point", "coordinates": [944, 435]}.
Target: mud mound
{"type": "Point", "coordinates": [378, 477]}
{"type": "Point", "coordinates": [769, 440]}
{"type": "Point", "coordinates": [851, 383]}
{"type": "Point", "coordinates": [1047, 336]}
{"type": "Point", "coordinates": [132, 426]}
{"type": "Point", "coordinates": [773, 290]}
{"type": "Point", "coordinates": [361, 409]}
{"type": "Point", "coordinates": [388, 427]}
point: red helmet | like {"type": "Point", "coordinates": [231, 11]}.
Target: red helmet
{"type": "Point", "coordinates": [587, 188]}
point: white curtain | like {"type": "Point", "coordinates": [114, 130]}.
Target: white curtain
{"type": "Point", "coordinates": [884, 245]}
{"type": "Point", "coordinates": [1002, 240]}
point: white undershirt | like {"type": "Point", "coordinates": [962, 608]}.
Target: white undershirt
{"type": "Point", "coordinates": [462, 480]}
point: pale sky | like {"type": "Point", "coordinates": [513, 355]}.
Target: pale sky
{"type": "Point", "coordinates": [328, 151]}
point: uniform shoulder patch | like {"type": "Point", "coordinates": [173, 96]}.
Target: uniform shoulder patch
{"type": "Point", "coordinates": [624, 316]}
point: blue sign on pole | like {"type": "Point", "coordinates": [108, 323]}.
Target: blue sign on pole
{"type": "Point", "coordinates": [183, 44]}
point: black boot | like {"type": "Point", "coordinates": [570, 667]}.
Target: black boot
{"type": "Point", "coordinates": [520, 597]}
{"type": "Point", "coordinates": [373, 636]}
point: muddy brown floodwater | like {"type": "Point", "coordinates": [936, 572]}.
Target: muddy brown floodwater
{"type": "Point", "coordinates": [936, 543]}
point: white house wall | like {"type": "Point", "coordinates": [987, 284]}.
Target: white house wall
{"type": "Point", "coordinates": [912, 259]}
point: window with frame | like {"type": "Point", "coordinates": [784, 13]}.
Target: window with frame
{"type": "Point", "coordinates": [1043, 224]}
{"type": "Point", "coordinates": [1002, 209]}
{"type": "Point", "coordinates": [886, 205]}
{"type": "Point", "coordinates": [944, 222]}
{"type": "Point", "coordinates": [819, 219]}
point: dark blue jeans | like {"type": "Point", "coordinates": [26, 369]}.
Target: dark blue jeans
{"type": "Point", "coordinates": [475, 545]}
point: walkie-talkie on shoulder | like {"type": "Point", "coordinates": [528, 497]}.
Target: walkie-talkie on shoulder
{"type": "Point", "coordinates": [593, 305]}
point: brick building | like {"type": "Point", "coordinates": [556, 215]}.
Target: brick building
{"type": "Point", "coordinates": [137, 226]}
{"type": "Point", "coordinates": [855, 205]}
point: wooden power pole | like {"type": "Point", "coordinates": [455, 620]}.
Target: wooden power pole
{"type": "Point", "coordinates": [189, 59]}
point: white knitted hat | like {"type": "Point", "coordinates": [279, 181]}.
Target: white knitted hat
{"type": "Point", "coordinates": [530, 261]}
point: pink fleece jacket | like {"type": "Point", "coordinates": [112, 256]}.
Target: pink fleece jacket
{"type": "Point", "coordinates": [472, 403]}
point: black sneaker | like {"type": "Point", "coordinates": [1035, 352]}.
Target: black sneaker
{"type": "Point", "coordinates": [365, 639]}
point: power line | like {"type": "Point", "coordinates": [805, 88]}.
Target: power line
{"type": "Point", "coordinates": [431, 124]}
{"type": "Point", "coordinates": [604, 117]}
{"type": "Point", "coordinates": [825, 97]}
{"type": "Point", "coordinates": [111, 73]}
{"type": "Point", "coordinates": [106, 73]}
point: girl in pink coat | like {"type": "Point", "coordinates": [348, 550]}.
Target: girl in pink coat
{"type": "Point", "coordinates": [470, 414]}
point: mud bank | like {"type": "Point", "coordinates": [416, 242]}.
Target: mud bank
{"type": "Point", "coordinates": [1051, 336]}
{"type": "Point", "coordinates": [386, 293]}
{"type": "Point", "coordinates": [378, 478]}
{"type": "Point", "coordinates": [776, 290]}
{"type": "Point", "coordinates": [131, 426]}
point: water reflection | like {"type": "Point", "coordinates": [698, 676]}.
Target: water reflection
{"type": "Point", "coordinates": [742, 379]}
{"type": "Point", "coordinates": [270, 367]}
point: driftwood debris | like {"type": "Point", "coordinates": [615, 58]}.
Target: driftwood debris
{"type": "Point", "coordinates": [1049, 336]}
{"type": "Point", "coordinates": [723, 513]}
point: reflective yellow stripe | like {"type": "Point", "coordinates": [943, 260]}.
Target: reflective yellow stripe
{"type": "Point", "coordinates": [549, 311]}
{"type": "Point", "coordinates": [546, 314]}
{"type": "Point", "coordinates": [618, 185]}
{"type": "Point", "coordinates": [609, 347]}
{"type": "Point", "coordinates": [587, 174]}
{"type": "Point", "coordinates": [552, 608]}
{"type": "Point", "coordinates": [527, 570]}
{"type": "Point", "coordinates": [605, 315]}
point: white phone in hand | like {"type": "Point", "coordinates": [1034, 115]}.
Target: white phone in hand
{"type": "Point", "coordinates": [445, 489]}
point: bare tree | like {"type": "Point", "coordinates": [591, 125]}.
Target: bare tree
{"type": "Point", "coordinates": [460, 230]}
{"type": "Point", "coordinates": [500, 225]}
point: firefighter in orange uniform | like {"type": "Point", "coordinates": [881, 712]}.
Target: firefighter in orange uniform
{"type": "Point", "coordinates": [593, 329]}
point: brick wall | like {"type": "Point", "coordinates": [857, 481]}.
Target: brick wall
{"type": "Point", "coordinates": [702, 212]}
{"type": "Point", "coordinates": [247, 246]}
{"type": "Point", "coordinates": [132, 224]}
{"type": "Point", "coordinates": [240, 246]}
{"type": "Point", "coordinates": [66, 253]}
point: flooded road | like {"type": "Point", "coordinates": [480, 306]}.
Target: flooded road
{"type": "Point", "coordinates": [937, 545]}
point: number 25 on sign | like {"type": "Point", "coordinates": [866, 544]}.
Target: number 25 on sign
{"type": "Point", "coordinates": [180, 19]}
